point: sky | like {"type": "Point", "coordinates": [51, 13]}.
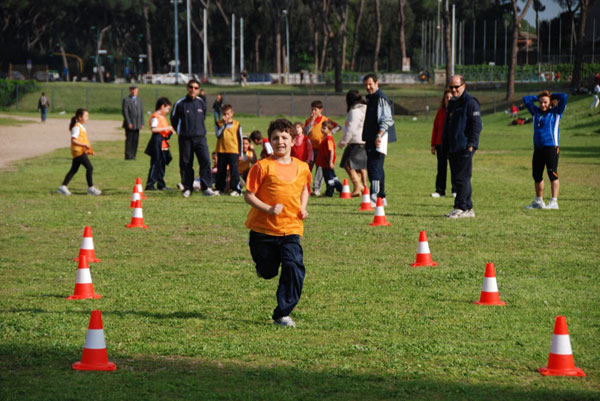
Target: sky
{"type": "Point", "coordinates": [552, 10]}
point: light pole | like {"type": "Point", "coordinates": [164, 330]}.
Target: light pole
{"type": "Point", "coordinates": [94, 28]}
{"type": "Point", "coordinates": [287, 48]}
{"type": "Point", "coordinates": [175, 2]}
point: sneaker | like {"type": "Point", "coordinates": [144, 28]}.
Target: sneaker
{"type": "Point", "coordinates": [165, 189]}
{"type": "Point", "coordinates": [64, 190]}
{"type": "Point", "coordinates": [467, 213]}
{"type": "Point", "coordinates": [384, 202]}
{"type": "Point", "coordinates": [209, 192]}
{"type": "Point", "coordinates": [180, 186]}
{"type": "Point", "coordinates": [285, 321]}
{"type": "Point", "coordinates": [235, 193]}
{"type": "Point", "coordinates": [536, 205]}
{"type": "Point", "coordinates": [187, 193]}
{"type": "Point", "coordinates": [94, 191]}
{"type": "Point", "coordinates": [437, 195]}
{"type": "Point", "coordinates": [196, 185]}
{"type": "Point", "coordinates": [552, 205]}
{"type": "Point", "coordinates": [454, 213]}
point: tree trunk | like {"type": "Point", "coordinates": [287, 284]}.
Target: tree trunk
{"type": "Point", "coordinates": [257, 53]}
{"type": "Point", "coordinates": [356, 30]}
{"type": "Point", "coordinates": [510, 84]}
{"type": "Point", "coordinates": [345, 37]}
{"type": "Point", "coordinates": [316, 51]}
{"type": "Point", "coordinates": [447, 42]}
{"type": "Point", "coordinates": [148, 37]}
{"type": "Point", "coordinates": [324, 16]}
{"type": "Point", "coordinates": [65, 64]}
{"type": "Point", "coordinates": [200, 33]}
{"type": "Point", "coordinates": [401, 29]}
{"type": "Point", "coordinates": [378, 38]}
{"type": "Point", "coordinates": [584, 5]}
{"type": "Point", "coordinates": [278, 54]}
{"type": "Point", "coordinates": [100, 38]}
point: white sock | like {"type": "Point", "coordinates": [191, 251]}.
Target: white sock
{"type": "Point", "coordinates": [554, 200]}
{"type": "Point", "coordinates": [539, 199]}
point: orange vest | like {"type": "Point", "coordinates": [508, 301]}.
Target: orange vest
{"type": "Point", "coordinates": [77, 150]}
{"type": "Point", "coordinates": [162, 123]}
{"type": "Point", "coordinates": [244, 165]}
{"type": "Point", "coordinates": [315, 135]}
{"type": "Point", "coordinates": [273, 190]}
{"type": "Point", "coordinates": [228, 141]}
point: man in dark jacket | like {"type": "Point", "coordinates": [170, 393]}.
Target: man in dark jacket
{"type": "Point", "coordinates": [460, 141]}
{"type": "Point", "coordinates": [133, 121]}
{"type": "Point", "coordinates": [378, 131]}
{"type": "Point", "coordinates": [187, 118]}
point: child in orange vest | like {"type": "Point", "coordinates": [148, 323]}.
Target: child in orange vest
{"type": "Point", "coordinates": [229, 149]}
{"type": "Point", "coordinates": [246, 160]}
{"type": "Point", "coordinates": [276, 189]}
{"type": "Point", "coordinates": [158, 146]}
{"type": "Point", "coordinates": [80, 149]}
{"type": "Point", "coordinates": [326, 159]}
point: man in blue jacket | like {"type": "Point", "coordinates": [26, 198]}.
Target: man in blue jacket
{"type": "Point", "coordinates": [188, 118]}
{"type": "Point", "coordinates": [460, 141]}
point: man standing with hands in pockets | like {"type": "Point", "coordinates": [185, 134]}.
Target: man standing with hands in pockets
{"type": "Point", "coordinates": [133, 121]}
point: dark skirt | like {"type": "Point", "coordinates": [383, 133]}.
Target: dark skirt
{"type": "Point", "coordinates": [356, 155]}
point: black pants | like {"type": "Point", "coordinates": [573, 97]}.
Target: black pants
{"type": "Point", "coordinates": [546, 156]}
{"type": "Point", "coordinates": [188, 146]}
{"type": "Point", "coordinates": [375, 171]}
{"type": "Point", "coordinates": [331, 181]}
{"type": "Point", "coordinates": [224, 160]}
{"type": "Point", "coordinates": [442, 169]}
{"type": "Point", "coordinates": [78, 161]}
{"type": "Point", "coordinates": [132, 137]}
{"type": "Point", "coordinates": [268, 252]}
{"type": "Point", "coordinates": [461, 169]}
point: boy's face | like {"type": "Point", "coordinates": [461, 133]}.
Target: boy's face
{"type": "Point", "coordinates": [316, 112]}
{"type": "Point", "coordinates": [228, 115]}
{"type": "Point", "coordinates": [282, 143]}
{"type": "Point", "coordinates": [165, 109]}
{"type": "Point", "coordinates": [324, 130]}
{"type": "Point", "coordinates": [256, 141]}
{"type": "Point", "coordinates": [544, 103]}
{"type": "Point", "coordinates": [299, 130]}
{"type": "Point", "coordinates": [246, 145]}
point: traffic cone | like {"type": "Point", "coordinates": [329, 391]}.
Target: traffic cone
{"type": "Point", "coordinates": [138, 184]}
{"type": "Point", "coordinates": [560, 360]}
{"type": "Point", "coordinates": [366, 200]}
{"type": "Point", "coordinates": [87, 246]}
{"type": "Point", "coordinates": [345, 194]}
{"type": "Point", "coordinates": [84, 289]}
{"type": "Point", "coordinates": [489, 290]}
{"type": "Point", "coordinates": [423, 254]}
{"type": "Point", "coordinates": [137, 218]}
{"type": "Point", "coordinates": [135, 196]}
{"type": "Point", "coordinates": [94, 351]}
{"type": "Point", "coordinates": [379, 219]}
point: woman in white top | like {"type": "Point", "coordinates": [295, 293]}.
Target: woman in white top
{"type": "Point", "coordinates": [354, 159]}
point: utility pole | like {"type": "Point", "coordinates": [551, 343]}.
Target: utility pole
{"type": "Point", "coordinates": [176, 42]}
{"type": "Point", "coordinates": [241, 44]}
{"type": "Point", "coordinates": [232, 47]}
{"type": "Point", "coordinates": [205, 56]}
{"type": "Point", "coordinates": [189, 41]}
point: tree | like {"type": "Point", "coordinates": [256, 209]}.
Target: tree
{"type": "Point", "coordinates": [356, 31]}
{"type": "Point", "coordinates": [447, 42]}
{"type": "Point", "coordinates": [148, 36]}
{"type": "Point", "coordinates": [538, 7]}
{"type": "Point", "coordinates": [378, 37]}
{"type": "Point", "coordinates": [584, 6]}
{"type": "Point", "coordinates": [401, 28]}
{"type": "Point", "coordinates": [339, 17]}
{"type": "Point", "coordinates": [516, 28]}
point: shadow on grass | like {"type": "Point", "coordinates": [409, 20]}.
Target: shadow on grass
{"type": "Point", "coordinates": [36, 373]}
{"type": "Point", "coordinates": [580, 151]}
{"type": "Point", "coordinates": [120, 313]}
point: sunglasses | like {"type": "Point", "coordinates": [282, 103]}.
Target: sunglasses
{"type": "Point", "coordinates": [193, 87]}
{"type": "Point", "coordinates": [455, 86]}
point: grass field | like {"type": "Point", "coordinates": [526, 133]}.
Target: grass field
{"type": "Point", "coordinates": [185, 316]}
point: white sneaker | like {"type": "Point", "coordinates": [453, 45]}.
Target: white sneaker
{"type": "Point", "coordinates": [285, 321]}
{"type": "Point", "coordinates": [436, 195]}
{"type": "Point", "coordinates": [187, 193]}
{"type": "Point", "coordinates": [467, 213]}
{"type": "Point", "coordinates": [454, 214]}
{"type": "Point", "coordinates": [536, 205]}
{"type": "Point", "coordinates": [210, 192]}
{"type": "Point", "coordinates": [317, 192]}
{"type": "Point", "coordinates": [180, 186]}
{"type": "Point", "coordinates": [64, 190]}
{"type": "Point", "coordinates": [196, 185]}
{"type": "Point", "coordinates": [235, 193]}
{"type": "Point", "coordinates": [385, 202]}
{"type": "Point", "coordinates": [552, 205]}
{"type": "Point", "coordinates": [94, 191]}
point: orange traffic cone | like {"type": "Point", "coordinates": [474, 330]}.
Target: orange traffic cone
{"type": "Point", "coordinates": [560, 360]}
{"type": "Point", "coordinates": [135, 196]}
{"type": "Point", "coordinates": [138, 184]}
{"type": "Point", "coordinates": [379, 219]}
{"type": "Point", "coordinates": [137, 218]}
{"type": "Point", "coordinates": [345, 194]}
{"type": "Point", "coordinates": [84, 289]}
{"type": "Point", "coordinates": [366, 200]}
{"type": "Point", "coordinates": [489, 290]}
{"type": "Point", "coordinates": [94, 351]}
{"type": "Point", "coordinates": [87, 246]}
{"type": "Point", "coordinates": [423, 253]}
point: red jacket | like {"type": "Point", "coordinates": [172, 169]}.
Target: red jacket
{"type": "Point", "coordinates": [438, 127]}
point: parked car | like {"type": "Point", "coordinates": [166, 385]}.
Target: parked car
{"type": "Point", "coordinates": [42, 76]}
{"type": "Point", "coordinates": [169, 78]}
{"type": "Point", "coordinates": [17, 75]}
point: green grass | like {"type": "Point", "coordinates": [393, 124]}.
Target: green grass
{"type": "Point", "coordinates": [185, 316]}
{"type": "Point", "coordinates": [13, 122]}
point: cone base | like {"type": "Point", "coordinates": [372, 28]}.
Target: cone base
{"type": "Point", "coordinates": [345, 195]}
{"type": "Point", "coordinates": [575, 371]}
{"type": "Point", "coordinates": [109, 366]}
{"type": "Point", "coordinates": [490, 303]}
{"type": "Point", "coordinates": [131, 225]}
{"type": "Point", "coordinates": [424, 264]}
{"type": "Point", "coordinates": [92, 296]}
{"type": "Point", "coordinates": [385, 223]}
{"type": "Point", "coordinates": [90, 260]}
{"type": "Point", "coordinates": [363, 208]}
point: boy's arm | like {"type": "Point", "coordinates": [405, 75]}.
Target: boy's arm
{"type": "Point", "coordinates": [562, 102]}
{"type": "Point", "coordinates": [331, 156]}
{"type": "Point", "coordinates": [252, 200]}
{"type": "Point", "coordinates": [240, 141]}
{"type": "Point", "coordinates": [304, 202]}
{"type": "Point", "coordinates": [220, 128]}
{"type": "Point", "coordinates": [528, 100]}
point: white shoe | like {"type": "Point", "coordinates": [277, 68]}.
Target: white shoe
{"type": "Point", "coordinates": [196, 185]}
{"type": "Point", "coordinates": [436, 195]}
{"type": "Point", "coordinates": [235, 193]}
{"type": "Point", "coordinates": [187, 193]}
{"type": "Point", "coordinates": [537, 205]}
{"type": "Point", "coordinates": [385, 202]}
{"type": "Point", "coordinates": [285, 321]}
{"type": "Point", "coordinates": [317, 192]}
{"type": "Point", "coordinates": [552, 205]}
{"type": "Point", "coordinates": [454, 213]}
{"type": "Point", "coordinates": [454, 194]}
{"type": "Point", "coordinates": [64, 190]}
{"type": "Point", "coordinates": [467, 213]}
{"type": "Point", "coordinates": [94, 191]}
{"type": "Point", "coordinates": [180, 186]}
{"type": "Point", "coordinates": [210, 192]}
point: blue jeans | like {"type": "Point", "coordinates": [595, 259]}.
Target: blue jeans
{"type": "Point", "coordinates": [268, 252]}
{"type": "Point", "coordinates": [375, 171]}
{"type": "Point", "coordinates": [461, 169]}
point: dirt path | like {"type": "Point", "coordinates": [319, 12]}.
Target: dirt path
{"type": "Point", "coordinates": [37, 138]}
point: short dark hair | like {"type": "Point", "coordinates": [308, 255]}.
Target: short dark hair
{"type": "Point", "coordinates": [256, 135]}
{"type": "Point", "coordinates": [372, 76]}
{"type": "Point", "coordinates": [317, 104]}
{"type": "Point", "coordinates": [329, 124]}
{"type": "Point", "coordinates": [353, 97]}
{"type": "Point", "coordinates": [193, 81]}
{"type": "Point", "coordinates": [226, 107]}
{"type": "Point", "coordinates": [161, 102]}
{"type": "Point", "coordinates": [281, 125]}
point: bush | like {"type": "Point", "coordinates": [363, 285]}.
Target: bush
{"type": "Point", "coordinates": [10, 89]}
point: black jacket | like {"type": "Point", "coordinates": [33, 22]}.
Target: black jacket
{"type": "Point", "coordinates": [372, 123]}
{"type": "Point", "coordinates": [188, 117]}
{"type": "Point", "coordinates": [463, 124]}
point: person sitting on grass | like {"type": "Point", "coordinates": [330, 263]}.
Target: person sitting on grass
{"type": "Point", "coordinates": [80, 149]}
{"type": "Point", "coordinates": [546, 120]}
{"type": "Point", "coordinates": [276, 189]}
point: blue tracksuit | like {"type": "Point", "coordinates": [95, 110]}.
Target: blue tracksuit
{"type": "Point", "coordinates": [546, 124]}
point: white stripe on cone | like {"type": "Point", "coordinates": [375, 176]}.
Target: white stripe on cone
{"type": "Point", "coordinates": [346, 188]}
{"type": "Point", "coordinates": [423, 247]}
{"type": "Point", "coordinates": [137, 213]}
{"type": "Point", "coordinates": [95, 339]}
{"type": "Point", "coordinates": [561, 345]}
{"type": "Point", "coordinates": [139, 188]}
{"type": "Point", "coordinates": [366, 198]}
{"type": "Point", "coordinates": [135, 196]}
{"type": "Point", "coordinates": [83, 276]}
{"type": "Point", "coordinates": [379, 211]}
{"type": "Point", "coordinates": [489, 284]}
{"type": "Point", "coordinates": [87, 243]}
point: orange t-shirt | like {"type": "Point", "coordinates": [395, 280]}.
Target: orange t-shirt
{"type": "Point", "coordinates": [326, 148]}
{"type": "Point", "coordinates": [315, 135]}
{"type": "Point", "coordinates": [272, 183]}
